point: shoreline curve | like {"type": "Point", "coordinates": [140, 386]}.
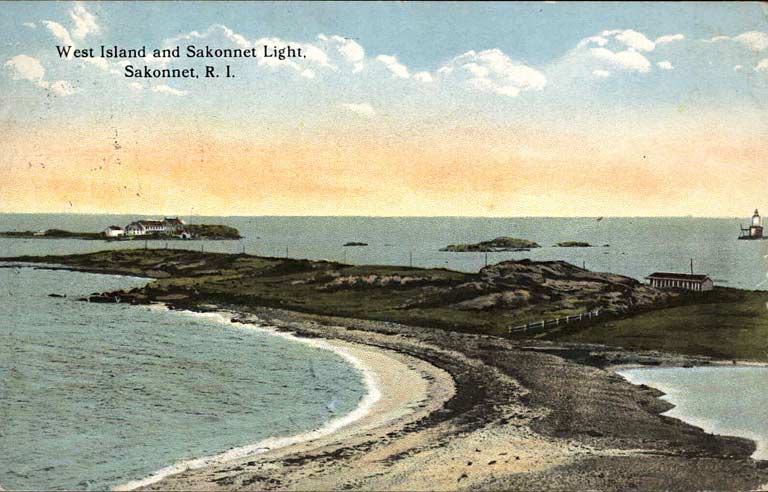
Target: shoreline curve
{"type": "Point", "coordinates": [385, 373]}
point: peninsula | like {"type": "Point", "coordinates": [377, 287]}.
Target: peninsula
{"type": "Point", "coordinates": [528, 412]}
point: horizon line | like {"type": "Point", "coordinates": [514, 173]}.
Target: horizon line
{"type": "Point", "coordinates": [138, 214]}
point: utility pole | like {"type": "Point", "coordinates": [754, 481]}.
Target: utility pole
{"type": "Point", "coordinates": [486, 258]}
{"type": "Point", "coordinates": [286, 251]}
{"type": "Point", "coordinates": [691, 266]}
{"type": "Point", "coordinates": [410, 258]}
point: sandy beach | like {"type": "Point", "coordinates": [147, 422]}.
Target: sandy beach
{"type": "Point", "coordinates": [386, 449]}
{"type": "Point", "coordinates": [437, 426]}
{"type": "Point", "coordinates": [406, 389]}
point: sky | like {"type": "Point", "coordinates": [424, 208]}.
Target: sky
{"type": "Point", "coordinates": [397, 109]}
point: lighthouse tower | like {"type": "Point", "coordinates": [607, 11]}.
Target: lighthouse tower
{"type": "Point", "coordinates": [756, 228]}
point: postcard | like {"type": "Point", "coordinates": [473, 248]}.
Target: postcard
{"type": "Point", "coordinates": [390, 246]}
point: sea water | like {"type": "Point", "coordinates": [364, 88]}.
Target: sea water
{"type": "Point", "coordinates": [721, 400]}
{"type": "Point", "coordinates": [96, 395]}
{"type": "Point", "coordinates": [632, 246]}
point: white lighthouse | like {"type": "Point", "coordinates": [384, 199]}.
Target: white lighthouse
{"type": "Point", "coordinates": [756, 228]}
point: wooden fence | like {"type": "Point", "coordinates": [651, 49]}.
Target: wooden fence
{"type": "Point", "coordinates": [543, 324]}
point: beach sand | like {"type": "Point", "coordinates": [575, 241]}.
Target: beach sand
{"type": "Point", "coordinates": [408, 388]}
{"type": "Point", "coordinates": [460, 411]}
{"type": "Point", "coordinates": [386, 449]}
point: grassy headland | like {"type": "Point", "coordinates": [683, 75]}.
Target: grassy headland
{"type": "Point", "coordinates": [490, 301]}
{"type": "Point", "coordinates": [725, 323]}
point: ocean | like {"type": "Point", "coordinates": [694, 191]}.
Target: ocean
{"type": "Point", "coordinates": [94, 395]}
{"type": "Point", "coordinates": [635, 247]}
{"type": "Point", "coordinates": [721, 400]}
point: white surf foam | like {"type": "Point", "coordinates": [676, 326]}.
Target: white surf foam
{"type": "Point", "coordinates": [372, 396]}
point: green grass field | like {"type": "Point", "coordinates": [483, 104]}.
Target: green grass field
{"type": "Point", "coordinates": [725, 323]}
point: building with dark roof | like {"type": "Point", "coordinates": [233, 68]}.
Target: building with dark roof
{"type": "Point", "coordinates": [665, 280]}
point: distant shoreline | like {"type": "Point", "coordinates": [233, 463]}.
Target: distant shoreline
{"type": "Point", "coordinates": [86, 237]}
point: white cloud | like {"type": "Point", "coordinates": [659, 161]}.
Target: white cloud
{"type": "Point", "coordinates": [164, 89]}
{"type": "Point", "coordinates": [349, 49]}
{"type": "Point", "coordinates": [762, 65]}
{"type": "Point", "coordinates": [425, 77]}
{"type": "Point", "coordinates": [736, 68]}
{"type": "Point", "coordinates": [598, 40]}
{"type": "Point", "coordinates": [601, 73]}
{"type": "Point", "coordinates": [85, 22]}
{"type": "Point", "coordinates": [60, 32]}
{"type": "Point", "coordinates": [754, 40]}
{"type": "Point", "coordinates": [665, 65]}
{"type": "Point", "coordinates": [669, 38]}
{"type": "Point", "coordinates": [493, 71]}
{"type": "Point", "coordinates": [626, 60]}
{"type": "Point", "coordinates": [476, 70]}
{"type": "Point", "coordinates": [630, 38]}
{"type": "Point", "coordinates": [633, 39]}
{"type": "Point", "coordinates": [364, 109]}
{"type": "Point", "coordinates": [25, 67]}
{"type": "Point", "coordinates": [343, 51]}
{"type": "Point", "coordinates": [30, 25]}
{"type": "Point", "coordinates": [63, 88]}
{"type": "Point", "coordinates": [397, 69]}
{"type": "Point", "coordinates": [136, 86]}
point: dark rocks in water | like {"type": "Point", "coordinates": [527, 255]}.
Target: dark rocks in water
{"type": "Point", "coordinates": [499, 244]}
{"type": "Point", "coordinates": [57, 295]}
{"type": "Point", "coordinates": [108, 297]}
{"type": "Point", "coordinates": [572, 244]}
{"type": "Point", "coordinates": [355, 243]}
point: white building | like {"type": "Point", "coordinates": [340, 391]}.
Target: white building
{"type": "Point", "coordinates": [144, 227]}
{"type": "Point", "coordinates": [169, 226]}
{"type": "Point", "coordinates": [114, 231]}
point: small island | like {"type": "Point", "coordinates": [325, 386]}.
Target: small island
{"type": "Point", "coordinates": [503, 243]}
{"type": "Point", "coordinates": [166, 229]}
{"type": "Point", "coordinates": [572, 244]}
{"type": "Point", "coordinates": [52, 234]}
{"type": "Point", "coordinates": [355, 243]}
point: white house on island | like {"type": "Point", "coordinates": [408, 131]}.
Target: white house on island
{"type": "Point", "coordinates": [169, 226]}
{"type": "Point", "coordinates": [114, 231]}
